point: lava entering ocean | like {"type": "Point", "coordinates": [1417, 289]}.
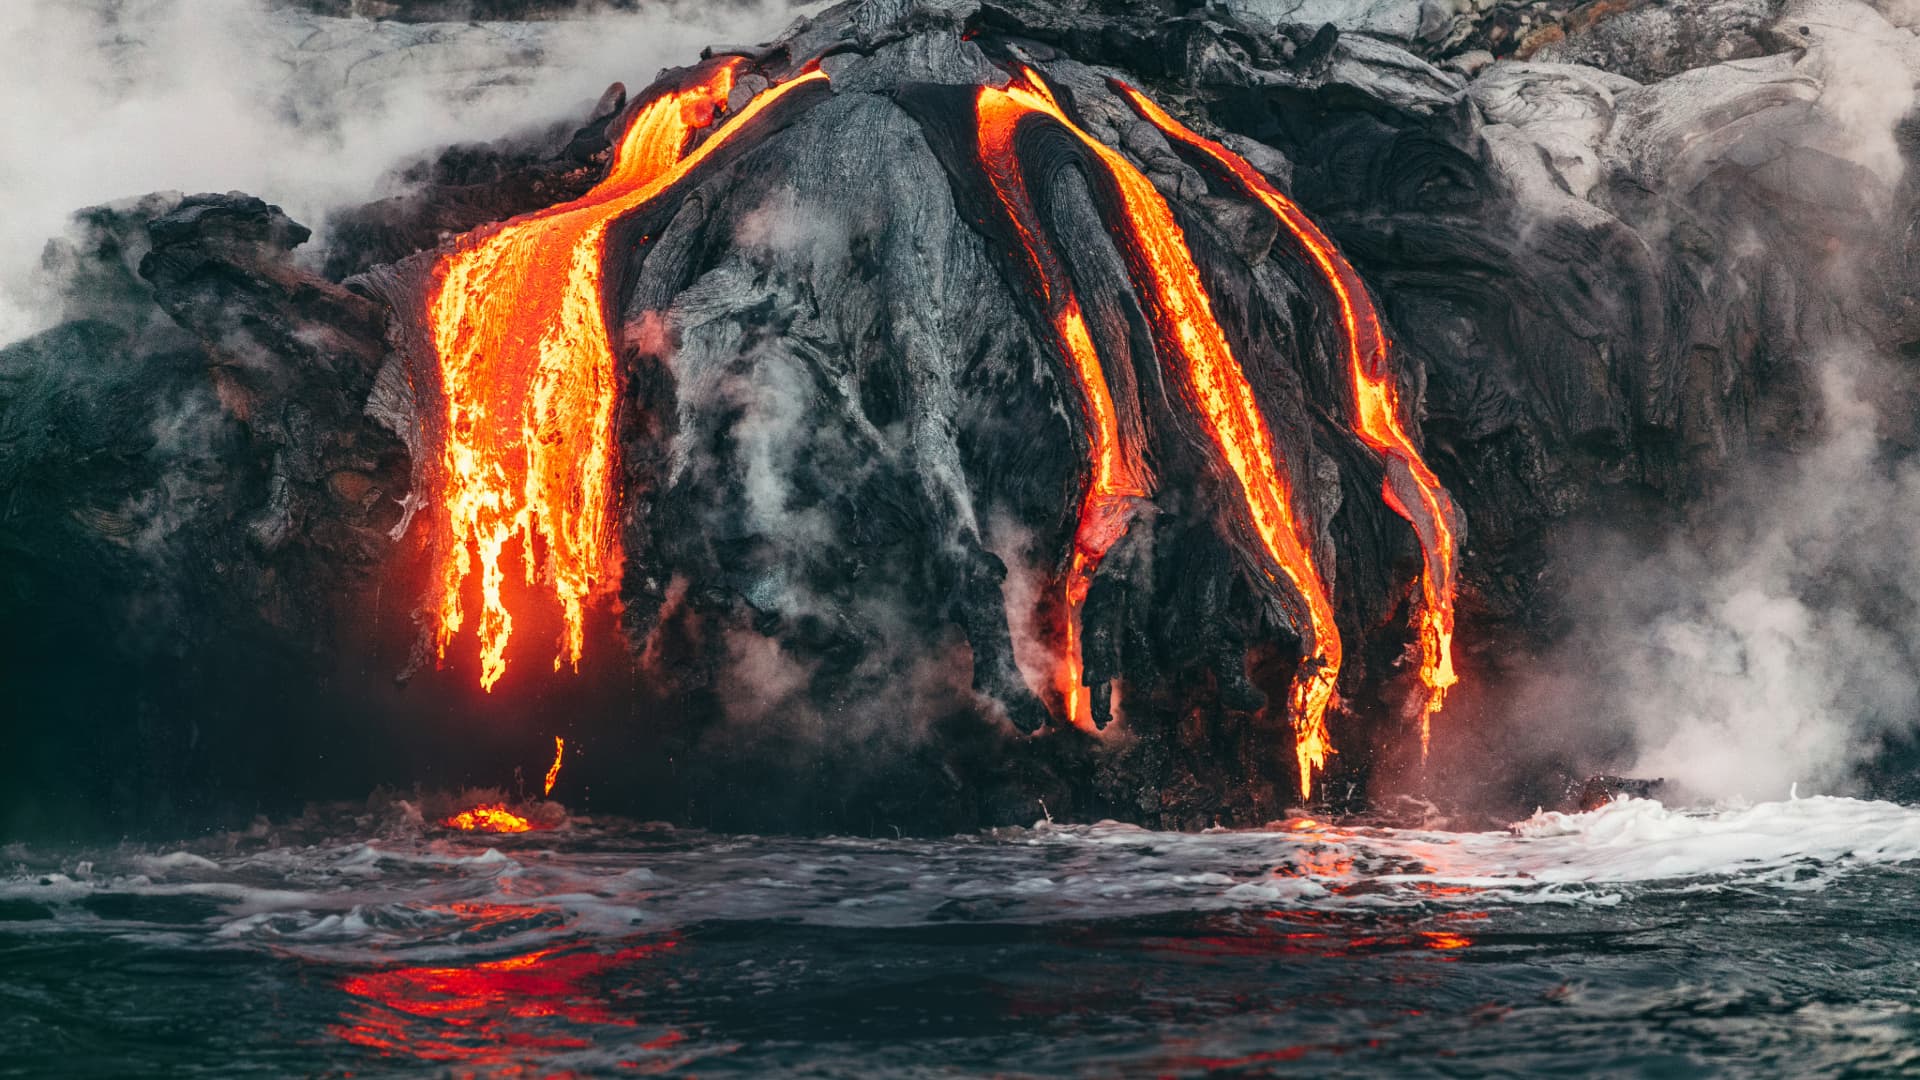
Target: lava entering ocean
{"type": "Point", "coordinates": [529, 380]}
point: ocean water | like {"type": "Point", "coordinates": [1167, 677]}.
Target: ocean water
{"type": "Point", "coordinates": [1779, 939]}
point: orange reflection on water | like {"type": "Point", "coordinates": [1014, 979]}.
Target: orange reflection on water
{"type": "Point", "coordinates": [506, 1017]}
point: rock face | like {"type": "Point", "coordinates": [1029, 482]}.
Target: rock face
{"type": "Point", "coordinates": [851, 458]}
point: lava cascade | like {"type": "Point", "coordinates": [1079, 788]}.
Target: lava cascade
{"type": "Point", "coordinates": [1117, 476]}
{"type": "Point", "coordinates": [1377, 407]}
{"type": "Point", "coordinates": [527, 370]}
{"type": "Point", "coordinates": [1184, 326]}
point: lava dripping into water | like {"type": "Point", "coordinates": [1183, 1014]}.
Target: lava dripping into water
{"type": "Point", "coordinates": [553, 771]}
{"type": "Point", "coordinates": [1376, 404]}
{"type": "Point", "coordinates": [1117, 476]}
{"type": "Point", "coordinates": [1184, 326]}
{"type": "Point", "coordinates": [527, 370]}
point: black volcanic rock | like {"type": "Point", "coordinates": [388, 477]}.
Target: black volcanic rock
{"type": "Point", "coordinates": [850, 457]}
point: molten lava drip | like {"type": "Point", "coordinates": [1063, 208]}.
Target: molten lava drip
{"type": "Point", "coordinates": [493, 817]}
{"type": "Point", "coordinates": [553, 771]}
{"type": "Point", "coordinates": [1184, 327]}
{"type": "Point", "coordinates": [527, 369]}
{"type": "Point", "coordinates": [1376, 404]}
{"type": "Point", "coordinates": [1117, 476]}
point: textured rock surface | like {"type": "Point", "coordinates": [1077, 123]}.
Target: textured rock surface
{"type": "Point", "coordinates": [848, 459]}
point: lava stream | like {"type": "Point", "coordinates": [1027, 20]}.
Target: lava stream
{"type": "Point", "coordinates": [1117, 476]}
{"type": "Point", "coordinates": [1376, 403]}
{"type": "Point", "coordinates": [527, 370]}
{"type": "Point", "coordinates": [1183, 322]}
{"type": "Point", "coordinates": [553, 771]}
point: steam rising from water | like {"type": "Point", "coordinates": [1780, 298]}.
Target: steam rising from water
{"type": "Point", "coordinates": [112, 98]}
{"type": "Point", "coordinates": [1774, 643]}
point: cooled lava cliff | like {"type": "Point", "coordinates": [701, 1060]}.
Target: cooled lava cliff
{"type": "Point", "coordinates": [1148, 411]}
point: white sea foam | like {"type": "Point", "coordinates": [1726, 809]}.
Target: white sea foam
{"type": "Point", "coordinates": [362, 900]}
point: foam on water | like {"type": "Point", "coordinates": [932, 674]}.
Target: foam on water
{"type": "Point", "coordinates": [431, 895]}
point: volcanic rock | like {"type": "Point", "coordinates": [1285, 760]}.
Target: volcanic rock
{"type": "Point", "coordinates": [850, 458]}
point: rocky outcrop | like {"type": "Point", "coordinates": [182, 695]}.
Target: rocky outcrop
{"type": "Point", "coordinates": [850, 456]}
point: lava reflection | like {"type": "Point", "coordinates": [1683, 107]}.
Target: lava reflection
{"type": "Point", "coordinates": [502, 1017]}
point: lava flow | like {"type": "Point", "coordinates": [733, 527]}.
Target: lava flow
{"type": "Point", "coordinates": [527, 370]}
{"type": "Point", "coordinates": [553, 771]}
{"type": "Point", "coordinates": [1376, 403]}
{"type": "Point", "coordinates": [1117, 475]}
{"type": "Point", "coordinates": [1184, 326]}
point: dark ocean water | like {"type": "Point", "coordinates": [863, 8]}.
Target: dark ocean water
{"type": "Point", "coordinates": [1776, 940]}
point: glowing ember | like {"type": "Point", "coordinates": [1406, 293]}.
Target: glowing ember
{"type": "Point", "coordinates": [1376, 405]}
{"type": "Point", "coordinates": [527, 370]}
{"type": "Point", "coordinates": [493, 818]}
{"type": "Point", "coordinates": [553, 771]}
{"type": "Point", "coordinates": [1117, 476]}
{"type": "Point", "coordinates": [1183, 322]}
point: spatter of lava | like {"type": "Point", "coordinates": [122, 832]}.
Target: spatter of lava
{"type": "Point", "coordinates": [491, 817]}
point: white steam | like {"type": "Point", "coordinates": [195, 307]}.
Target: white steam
{"type": "Point", "coordinates": [112, 98]}
{"type": "Point", "coordinates": [1776, 640]}
{"type": "Point", "coordinates": [1775, 644]}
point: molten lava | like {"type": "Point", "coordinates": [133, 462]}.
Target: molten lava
{"type": "Point", "coordinates": [527, 371]}
{"type": "Point", "coordinates": [492, 817]}
{"type": "Point", "coordinates": [1117, 476]}
{"type": "Point", "coordinates": [553, 771]}
{"type": "Point", "coordinates": [1376, 403]}
{"type": "Point", "coordinates": [1184, 326]}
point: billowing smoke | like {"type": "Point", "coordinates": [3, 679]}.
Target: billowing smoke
{"type": "Point", "coordinates": [114, 98]}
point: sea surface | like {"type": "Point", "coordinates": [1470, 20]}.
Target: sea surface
{"type": "Point", "coordinates": [1780, 939]}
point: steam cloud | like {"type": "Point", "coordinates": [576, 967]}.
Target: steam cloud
{"type": "Point", "coordinates": [1772, 644]}
{"type": "Point", "coordinates": [113, 98]}
{"type": "Point", "coordinates": [1776, 639]}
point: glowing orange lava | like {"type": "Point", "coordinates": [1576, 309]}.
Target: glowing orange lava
{"type": "Point", "coordinates": [527, 370]}
{"type": "Point", "coordinates": [1183, 321]}
{"type": "Point", "coordinates": [1376, 404]}
{"type": "Point", "coordinates": [553, 771]}
{"type": "Point", "coordinates": [1117, 476]}
{"type": "Point", "coordinates": [492, 817]}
